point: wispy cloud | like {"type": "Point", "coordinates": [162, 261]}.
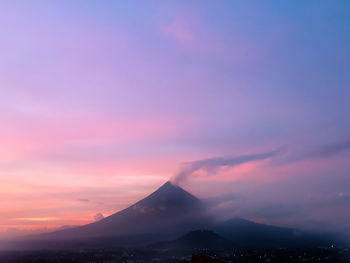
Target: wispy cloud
{"type": "Point", "coordinates": [318, 152]}
{"type": "Point", "coordinates": [36, 218]}
{"type": "Point", "coordinates": [332, 149]}
{"type": "Point", "coordinates": [217, 200]}
{"type": "Point", "coordinates": [211, 164]}
{"type": "Point", "coordinates": [180, 30]}
{"type": "Point", "coordinates": [83, 200]}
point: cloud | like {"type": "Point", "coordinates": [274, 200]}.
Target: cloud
{"type": "Point", "coordinates": [178, 29]}
{"type": "Point", "coordinates": [332, 149]}
{"type": "Point", "coordinates": [98, 217]}
{"type": "Point", "coordinates": [277, 211]}
{"type": "Point", "coordinates": [83, 200]}
{"type": "Point", "coordinates": [319, 152]}
{"type": "Point", "coordinates": [211, 164]}
{"type": "Point", "coordinates": [217, 200]}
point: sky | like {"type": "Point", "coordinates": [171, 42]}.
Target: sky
{"type": "Point", "coordinates": [104, 101]}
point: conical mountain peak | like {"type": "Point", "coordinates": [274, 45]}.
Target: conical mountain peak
{"type": "Point", "coordinates": [168, 185]}
{"type": "Point", "coordinates": [169, 208]}
{"type": "Point", "coordinates": [170, 194]}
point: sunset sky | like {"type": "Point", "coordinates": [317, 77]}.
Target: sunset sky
{"type": "Point", "coordinates": [101, 102]}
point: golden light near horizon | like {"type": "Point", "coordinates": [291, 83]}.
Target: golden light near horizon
{"type": "Point", "coordinates": [37, 219]}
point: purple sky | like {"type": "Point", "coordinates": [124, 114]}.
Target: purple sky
{"type": "Point", "coordinates": [103, 101]}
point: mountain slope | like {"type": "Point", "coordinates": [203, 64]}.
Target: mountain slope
{"type": "Point", "coordinates": [199, 239]}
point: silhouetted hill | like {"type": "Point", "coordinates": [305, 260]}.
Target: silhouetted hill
{"type": "Point", "coordinates": [249, 234]}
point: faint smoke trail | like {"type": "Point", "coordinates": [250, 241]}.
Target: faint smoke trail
{"type": "Point", "coordinates": [211, 164]}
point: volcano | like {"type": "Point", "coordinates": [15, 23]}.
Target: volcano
{"type": "Point", "coordinates": [169, 213]}
{"type": "Point", "coordinates": [170, 210]}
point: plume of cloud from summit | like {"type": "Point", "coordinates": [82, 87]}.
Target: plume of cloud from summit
{"type": "Point", "coordinates": [211, 164]}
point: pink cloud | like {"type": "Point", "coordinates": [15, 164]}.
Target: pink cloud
{"type": "Point", "coordinates": [28, 137]}
{"type": "Point", "coordinates": [190, 30]}
{"type": "Point", "coordinates": [180, 30]}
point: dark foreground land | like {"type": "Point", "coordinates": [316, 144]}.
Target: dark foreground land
{"type": "Point", "coordinates": [196, 255]}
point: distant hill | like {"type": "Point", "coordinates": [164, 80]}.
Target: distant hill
{"type": "Point", "coordinates": [241, 233]}
{"type": "Point", "coordinates": [249, 234]}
